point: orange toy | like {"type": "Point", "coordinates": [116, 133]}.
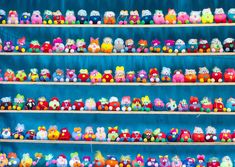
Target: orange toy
{"type": "Point", "coordinates": [204, 75]}
{"type": "Point", "coordinates": [94, 46]}
{"type": "Point", "coordinates": [190, 75]}
{"type": "Point", "coordinates": [109, 17]}
{"type": "Point", "coordinates": [170, 18]}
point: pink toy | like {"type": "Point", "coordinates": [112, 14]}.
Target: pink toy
{"type": "Point", "coordinates": [220, 16]}
{"type": "Point", "coordinates": [12, 17]}
{"type": "Point", "coordinates": [178, 76]}
{"type": "Point", "coordinates": [36, 17]}
{"type": "Point", "coordinates": [183, 18]}
{"type": "Point", "coordinates": [58, 45]}
{"type": "Point", "coordinates": [70, 46]}
{"type": "Point", "coordinates": [158, 17]}
{"type": "Point", "coordinates": [69, 17]}
{"type": "Point", "coordinates": [134, 17]}
{"type": "Point", "coordinates": [195, 17]}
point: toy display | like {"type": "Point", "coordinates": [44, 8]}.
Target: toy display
{"type": "Point", "coordinates": [6, 103]}
{"type": "Point", "coordinates": [210, 135]}
{"type": "Point", "coordinates": [171, 105]}
{"type": "Point", "coordinates": [219, 105]}
{"type": "Point", "coordinates": [125, 161]}
{"type": "Point", "coordinates": [134, 17]}
{"type": "Point", "coordinates": [168, 46]}
{"type": "Point", "coordinates": [158, 105]}
{"type": "Point", "coordinates": [42, 133]}
{"type": "Point", "coordinates": [159, 135]}
{"type": "Point", "coordinates": [176, 162]}
{"type": "Point", "coordinates": [216, 75]}
{"type": "Point", "coordinates": [66, 105]}
{"type": "Point", "coordinates": [124, 136]}
{"type": "Point", "coordinates": [20, 47]}
{"type": "Point", "coordinates": [30, 104]}
{"type": "Point", "coordinates": [136, 104]}
{"type": "Point", "coordinates": [155, 46]}
{"type": "Point", "coordinates": [198, 135]}
{"type": "Point", "coordinates": [206, 105]}
{"type": "Point", "coordinates": [89, 134]}
{"type": "Point", "coordinates": [54, 104]}
{"type": "Point", "coordinates": [146, 104]}
{"type": "Point", "coordinates": [8, 46]}
{"type": "Point", "coordinates": [184, 136]}
{"type": "Point", "coordinates": [19, 102]}
{"type": "Point", "coordinates": [192, 46]}
{"type": "Point", "coordinates": [82, 17]}
{"type": "Point", "coordinates": [64, 134]}
{"type": "Point", "coordinates": [164, 161]}
{"type": "Point", "coordinates": [30, 135]}
{"type": "Point", "coordinates": [114, 104]}
{"type": "Point", "coordinates": [178, 76]}
{"type": "Point", "coordinates": [203, 75]}
{"type": "Point", "coordinates": [203, 46]}
{"type": "Point", "coordinates": [190, 75]}
{"type": "Point", "coordinates": [100, 134]}
{"type": "Point", "coordinates": [90, 104]}
{"type": "Point", "coordinates": [53, 133]}
{"type": "Point", "coordinates": [183, 105]}
{"type": "Point", "coordinates": [19, 132]}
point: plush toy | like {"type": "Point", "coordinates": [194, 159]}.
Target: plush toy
{"type": "Point", "coordinates": [58, 45]}
{"type": "Point", "coordinates": [178, 76]}
{"type": "Point", "coordinates": [184, 136]}
{"type": "Point", "coordinates": [99, 160]}
{"type": "Point", "coordinates": [82, 17]}
{"type": "Point", "coordinates": [89, 134]}
{"type": "Point", "coordinates": [229, 45]}
{"type": "Point", "coordinates": [190, 75]}
{"type": "Point", "coordinates": [183, 105]}
{"type": "Point", "coordinates": [130, 76]}
{"type": "Point", "coordinates": [154, 75]}
{"type": "Point", "coordinates": [169, 46]}
{"type": "Point", "coordinates": [70, 17]}
{"type": "Point", "coordinates": [50, 161]}
{"type": "Point", "coordinates": [8, 46]}
{"type": "Point", "coordinates": [230, 105]}
{"type": "Point", "coordinates": [42, 133]}
{"type": "Point", "coordinates": [45, 75]}
{"type": "Point", "coordinates": [19, 132]}
{"type": "Point", "coordinates": [6, 103]}
{"type": "Point", "coordinates": [86, 161]}
{"type": "Point", "coordinates": [111, 161]}
{"type": "Point", "coordinates": [119, 46]}
{"type": "Point", "coordinates": [3, 18]}
{"type": "Point", "coordinates": [134, 17]}
{"type": "Point", "coordinates": [126, 103]}
{"type": "Point", "coordinates": [33, 75]}
{"type": "Point", "coordinates": [109, 17]}
{"type": "Point", "coordinates": [77, 134]}
{"type": "Point", "coordinates": [95, 17]}
{"type": "Point", "coordinates": [66, 105]}
{"type": "Point", "coordinates": [207, 16]}
{"type": "Point", "coordinates": [138, 161]}
{"type": "Point", "coordinates": [54, 104]}
{"type": "Point", "coordinates": [125, 161]}
{"type": "Point", "coordinates": [136, 136]}
{"type": "Point", "coordinates": [26, 160]}
{"type": "Point", "coordinates": [231, 15]}
{"type": "Point", "coordinates": [100, 134]}
{"type": "Point", "coordinates": [220, 16]}
{"type": "Point", "coordinates": [170, 18]}
{"type": "Point", "coordinates": [136, 104]}
{"type": "Point", "coordinates": [47, 17]}
{"type": "Point", "coordinates": [164, 161]}
{"type": "Point", "coordinates": [61, 161]}
{"type": "Point", "coordinates": [189, 162]}
{"type": "Point", "coordinates": [226, 162]}
{"type": "Point", "coordinates": [36, 17]}
{"type": "Point", "coordinates": [102, 104]}
{"type": "Point", "coordinates": [151, 162]}
{"type": "Point", "coordinates": [18, 102]}
{"type": "Point", "coordinates": [158, 17]}
{"type": "Point", "coordinates": [142, 76]}
{"type": "Point", "coordinates": [206, 105]}
{"type": "Point", "coordinates": [94, 46]}
{"type": "Point", "coordinates": [204, 46]}
{"type": "Point", "coordinates": [195, 17]}
{"type": "Point", "coordinates": [71, 75]}
{"type": "Point", "coordinates": [225, 135]}
{"type": "Point", "coordinates": [107, 76]}
{"type": "Point", "coordinates": [159, 136]}
{"type": "Point", "coordinates": [30, 104]}
{"type": "Point", "coordinates": [130, 46]}
{"type": "Point", "coordinates": [25, 18]}
{"type": "Point", "coordinates": [12, 17]}
{"type": "Point", "coordinates": [210, 134]}
{"type": "Point", "coordinates": [216, 75]}
{"type": "Point", "coordinates": [142, 46]}
{"type": "Point", "coordinates": [147, 17]}
{"type": "Point", "coordinates": [120, 74]}
{"type": "Point", "coordinates": [70, 46]}
{"type": "Point", "coordinates": [216, 46]}
{"type": "Point", "coordinates": [81, 45]}
{"type": "Point", "coordinates": [180, 46]}
{"type": "Point", "coordinates": [173, 135]}
{"type": "Point", "coordinates": [34, 46]}
{"type": "Point", "coordinates": [171, 105]}
{"type": "Point", "coordinates": [166, 74]}
{"type": "Point", "coordinates": [182, 18]}
{"type": "Point", "coordinates": [83, 75]}
{"type": "Point", "coordinates": [158, 105]}
{"type": "Point", "coordinates": [21, 76]}
{"type": "Point", "coordinates": [64, 134]}
{"type": "Point", "coordinates": [176, 161]}
{"type": "Point", "coordinates": [124, 136]}
{"type": "Point", "coordinates": [78, 105]}
{"type": "Point", "coordinates": [114, 104]}
{"type": "Point", "coordinates": [39, 160]}
{"type": "Point", "coordinates": [198, 135]}
{"type": "Point", "coordinates": [13, 160]}
{"type": "Point", "coordinates": [146, 104]}
{"type": "Point", "coordinates": [155, 46]}
{"type": "Point", "coordinates": [194, 104]}
{"type": "Point", "coordinates": [112, 133]}
{"type": "Point", "coordinates": [58, 18]}
{"type": "Point", "coordinates": [147, 136]}
{"type": "Point", "coordinates": [53, 133]}
{"type": "Point", "coordinates": [90, 104]}
{"type": "Point", "coordinates": [201, 161]}
{"type": "Point", "coordinates": [58, 75]}
{"type": "Point", "coordinates": [123, 17]}
{"type": "Point", "coordinates": [9, 75]}
{"type": "Point", "coordinates": [204, 75]}
{"type": "Point", "coordinates": [42, 104]}
{"type": "Point", "coordinates": [30, 135]}
{"type": "Point", "coordinates": [229, 75]}
{"type": "Point", "coordinates": [192, 46]}
{"type": "Point", "coordinates": [219, 105]}
{"type": "Point", "coordinates": [107, 45]}
{"type": "Point", "coordinates": [6, 133]}
{"type": "Point", "coordinates": [213, 162]}
{"type": "Point", "coordinates": [46, 47]}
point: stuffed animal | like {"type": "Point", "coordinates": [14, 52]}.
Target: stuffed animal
{"type": "Point", "coordinates": [136, 136]}
{"type": "Point", "coordinates": [138, 161]}
{"type": "Point", "coordinates": [194, 104]}
{"type": "Point", "coordinates": [171, 105]}
{"type": "Point", "coordinates": [39, 160]}
{"type": "Point", "coordinates": [47, 17]}
{"type": "Point", "coordinates": [83, 75]}
{"type": "Point", "coordinates": [169, 46]}
{"type": "Point", "coordinates": [124, 136]}
{"type": "Point", "coordinates": [158, 105]}
{"type": "Point", "coordinates": [155, 46]}
{"type": "Point", "coordinates": [94, 46]}
{"type": "Point", "coordinates": [185, 136]}
{"type": "Point", "coordinates": [183, 105]}
{"type": "Point", "coordinates": [90, 104]}
{"type": "Point", "coordinates": [13, 160]}
{"type": "Point", "coordinates": [3, 18]}
{"type": "Point", "coordinates": [58, 75]}
{"type": "Point", "coordinates": [158, 17]}
{"type": "Point", "coordinates": [119, 46]}
{"type": "Point", "coordinates": [216, 46]}
{"type": "Point", "coordinates": [125, 161]}
{"type": "Point", "coordinates": [189, 162]}
{"type": "Point", "coordinates": [9, 75]}
{"type": "Point", "coordinates": [77, 134]}
{"type": "Point", "coordinates": [230, 105]}
{"type": "Point", "coordinates": [54, 104]}
{"type": "Point", "coordinates": [81, 45]}
{"type": "Point", "coordinates": [99, 160]}
{"type": "Point", "coordinates": [46, 47]}
{"type": "Point", "coordinates": [58, 18]}
{"type": "Point", "coordinates": [220, 16]}
{"type": "Point", "coordinates": [170, 18]}
{"type": "Point", "coordinates": [207, 16]}
{"type": "Point", "coordinates": [53, 133]}
{"type": "Point", "coordinates": [226, 162]}
{"type": "Point", "coordinates": [64, 134]}
{"type": "Point", "coordinates": [216, 75]}
{"type": "Point", "coordinates": [204, 46]}
{"type": "Point", "coordinates": [78, 105]}
{"type": "Point", "coordinates": [19, 132]}
{"type": "Point", "coordinates": [123, 17]}
{"type": "Point", "coordinates": [204, 75]}
{"type": "Point", "coordinates": [146, 104]}
{"type": "Point", "coordinates": [109, 17]}
{"type": "Point", "coordinates": [19, 102]}
{"type": "Point", "coordinates": [8, 46]}
{"type": "Point", "coordinates": [151, 162]}
{"type": "Point", "coordinates": [198, 135]}
{"type": "Point", "coordinates": [30, 104]}
{"type": "Point", "coordinates": [213, 162]}
{"type": "Point", "coordinates": [34, 46]}
{"type": "Point", "coordinates": [102, 104]}
{"type": "Point", "coordinates": [111, 161]}
{"type": "Point", "coordinates": [114, 104]}
{"type": "Point", "coordinates": [86, 161]}
{"type": "Point", "coordinates": [229, 45]}
{"type": "Point", "coordinates": [45, 75]}
{"type": "Point", "coordinates": [82, 17]}
{"type": "Point", "coordinates": [95, 17]}
{"type": "Point", "coordinates": [134, 17]}
{"type": "Point", "coordinates": [218, 105]}
{"type": "Point", "coordinates": [100, 134]}
{"type": "Point", "coordinates": [130, 76]}
{"type": "Point", "coordinates": [195, 17]}
{"type": "Point", "coordinates": [112, 134]}
{"type": "Point", "coordinates": [173, 135]}
{"type": "Point", "coordinates": [12, 17]}
{"type": "Point", "coordinates": [142, 46]}
{"type": "Point", "coordinates": [147, 136]}
{"type": "Point", "coordinates": [201, 161]}
{"type": "Point", "coordinates": [136, 104]}
{"type": "Point", "coordinates": [6, 133]}
{"type": "Point", "coordinates": [50, 161]}
{"type": "Point", "coordinates": [107, 76]}
{"type": "Point", "coordinates": [154, 75]}
{"type": "Point", "coordinates": [61, 161]}
{"type": "Point", "coordinates": [71, 75]}
{"type": "Point", "coordinates": [6, 103]}
{"type": "Point", "coordinates": [107, 45]}
{"type": "Point", "coordinates": [142, 76]}
{"type": "Point", "coordinates": [26, 160]}
{"type": "Point", "coordinates": [120, 74]}
{"type": "Point", "coordinates": [89, 134]}
{"type": "Point", "coordinates": [206, 105]}
{"type": "Point", "coordinates": [225, 135]}
{"type": "Point", "coordinates": [25, 18]}
{"type": "Point", "coordinates": [70, 17]}
{"type": "Point", "coordinates": [126, 103]}
{"type": "Point", "coordinates": [147, 17]}
{"type": "Point", "coordinates": [130, 46]}
{"type": "Point", "coordinates": [66, 105]}
{"type": "Point", "coordinates": [164, 161]}
{"type": "Point", "coordinates": [166, 74]}
{"type": "Point", "coordinates": [42, 133]}
{"type": "Point", "coordinates": [95, 76]}
{"type": "Point", "coordinates": [42, 104]}
{"type": "Point", "coordinates": [190, 75]}
{"type": "Point", "coordinates": [21, 76]}
{"type": "Point", "coordinates": [178, 76]}
{"type": "Point", "coordinates": [231, 15]}
{"type": "Point", "coordinates": [70, 46]}
{"type": "Point", "coordinates": [159, 136]}
{"type": "Point", "coordinates": [176, 161]}
{"type": "Point", "coordinates": [33, 76]}
{"type": "Point", "coordinates": [229, 75]}
{"type": "Point", "coordinates": [182, 18]}
{"type": "Point", "coordinates": [210, 134]}
{"type": "Point", "coordinates": [58, 45]}
{"type": "Point", "coordinates": [36, 17]}
{"type": "Point", "coordinates": [180, 46]}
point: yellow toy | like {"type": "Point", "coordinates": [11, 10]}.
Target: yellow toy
{"type": "Point", "coordinates": [26, 161]}
{"type": "Point", "coordinates": [107, 45]}
{"type": "Point", "coordinates": [207, 16]}
{"type": "Point", "coordinates": [53, 133]}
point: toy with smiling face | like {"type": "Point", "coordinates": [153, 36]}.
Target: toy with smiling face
{"type": "Point", "coordinates": [75, 160]}
{"type": "Point", "coordinates": [146, 17]}
{"type": "Point", "coordinates": [30, 134]}
{"type": "Point", "coordinates": [47, 17]}
{"type": "Point", "coordinates": [19, 132]}
{"type": "Point", "coordinates": [159, 136]}
{"type": "Point", "coordinates": [130, 46]}
{"type": "Point", "coordinates": [42, 104]}
{"type": "Point", "coordinates": [189, 162]}
{"type": "Point", "coordinates": [58, 45]}
{"type": "Point", "coordinates": [6, 103]}
{"type": "Point", "coordinates": [125, 161]}
{"type": "Point", "coordinates": [178, 76]}
{"type": "Point", "coordinates": [9, 75]}
{"type": "Point", "coordinates": [109, 17]}
{"type": "Point", "coordinates": [138, 161]}
{"type": "Point", "coordinates": [229, 45]}
{"type": "Point", "coordinates": [30, 104]}
{"type": "Point", "coordinates": [54, 104]}
{"type": "Point", "coordinates": [226, 162]}
{"type": "Point", "coordinates": [136, 104]}
{"type": "Point", "coordinates": [207, 16]}
{"type": "Point", "coordinates": [111, 161]}
{"type": "Point", "coordinates": [147, 136]}
{"type": "Point", "coordinates": [102, 104]}
{"type": "Point", "coordinates": [216, 46]}
{"type": "Point", "coordinates": [42, 133]}
{"type": "Point", "coordinates": [95, 76]}
{"type": "Point", "coordinates": [33, 76]}
{"type": "Point", "coordinates": [213, 162]}
{"type": "Point", "coordinates": [151, 162]}
{"type": "Point", "coordinates": [219, 105]}
{"type": "Point", "coordinates": [184, 136]}
{"type": "Point", "coordinates": [190, 75]}
{"type": "Point", "coordinates": [12, 17]}
{"type": "Point", "coordinates": [130, 76]}
{"type": "Point", "coordinates": [61, 161]}
{"type": "Point", "coordinates": [82, 17]}
{"type": "Point", "coordinates": [20, 47]}
{"type": "Point", "coordinates": [70, 46]}
{"type": "Point", "coordinates": [220, 16]}
{"type": "Point", "coordinates": [53, 133]}
{"type": "Point", "coordinates": [123, 17]}
{"type": "Point", "coordinates": [225, 135]}
{"type": "Point", "coordinates": [3, 18]}
{"type": "Point", "coordinates": [158, 17]}
{"type": "Point", "coordinates": [95, 17]}
{"type": "Point", "coordinates": [58, 75]}
{"type": "Point", "coordinates": [204, 46]}
{"type": "Point", "coordinates": [195, 17]}
{"type": "Point", "coordinates": [204, 75]}
{"type": "Point", "coordinates": [155, 46]}
{"type": "Point", "coordinates": [94, 46]}
{"type": "Point", "coordinates": [71, 75]}
{"type": "Point", "coordinates": [46, 47]}
{"type": "Point", "coordinates": [19, 102]}
{"type": "Point", "coordinates": [114, 104]}
{"type": "Point", "coordinates": [64, 134]}
{"type": "Point", "coordinates": [136, 136]}
{"type": "Point", "coordinates": [70, 17]}
{"type": "Point", "coordinates": [45, 75]}
{"type": "Point", "coordinates": [170, 18]}
{"type": "Point", "coordinates": [180, 46]}
{"type": "Point", "coordinates": [200, 161]}
{"type": "Point", "coordinates": [99, 160]}
{"type": "Point", "coordinates": [158, 105]}
{"type": "Point", "coordinates": [112, 133]}
{"type": "Point", "coordinates": [107, 76]}
{"type": "Point", "coordinates": [36, 17]}
{"type": "Point", "coordinates": [66, 105]}
{"type": "Point", "coordinates": [231, 15]}
{"type": "Point", "coordinates": [89, 134]}
{"type": "Point", "coordinates": [183, 18]}
{"type": "Point", "coordinates": [216, 75]}
{"type": "Point", "coordinates": [21, 76]}
{"type": "Point", "coordinates": [81, 45]}
{"type": "Point", "coordinates": [142, 76]}
{"type": "Point", "coordinates": [192, 46]}
{"type": "Point", "coordinates": [198, 135]}
{"type": "Point", "coordinates": [78, 105]}
{"type": "Point", "coordinates": [134, 17]}
{"type": "Point", "coordinates": [146, 104]}
{"type": "Point", "coordinates": [206, 105]}
{"type": "Point", "coordinates": [119, 46]}
{"type": "Point", "coordinates": [124, 136]}
{"type": "Point", "coordinates": [154, 75]}
{"type": "Point", "coordinates": [210, 135]}
{"type": "Point", "coordinates": [126, 103]}
{"type": "Point", "coordinates": [83, 75]}
{"type": "Point", "coordinates": [229, 75]}
{"type": "Point", "coordinates": [107, 45]}
{"type": "Point", "coordinates": [58, 18]}
{"type": "Point", "coordinates": [120, 74]}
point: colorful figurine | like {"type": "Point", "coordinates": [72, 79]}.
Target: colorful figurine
{"type": "Point", "coordinates": [30, 135]}
{"type": "Point", "coordinates": [120, 74]}
{"type": "Point", "coordinates": [64, 134]}
{"type": "Point", "coordinates": [206, 105]}
{"type": "Point", "coordinates": [83, 75]}
{"type": "Point", "coordinates": [230, 105]}
{"type": "Point", "coordinates": [158, 105]}
{"type": "Point", "coordinates": [201, 161]}
{"type": "Point", "coordinates": [146, 104]}
{"type": "Point", "coordinates": [173, 135]}
{"type": "Point", "coordinates": [58, 75]}
{"type": "Point", "coordinates": [189, 162]}
{"type": "Point", "coordinates": [26, 160]}
{"type": "Point", "coordinates": [124, 136]}
{"type": "Point", "coordinates": [184, 136]}
{"type": "Point", "coordinates": [130, 76]}
{"type": "Point", "coordinates": [195, 17]}
{"type": "Point", "coordinates": [204, 46]}
{"type": "Point", "coordinates": [58, 18]}
{"type": "Point", "coordinates": [216, 75]}
{"type": "Point", "coordinates": [111, 161]}
{"type": "Point", "coordinates": [125, 161]}
{"type": "Point", "coordinates": [225, 135]}
{"type": "Point", "coordinates": [112, 133]}
{"type": "Point", "coordinates": [8, 46]}
{"type": "Point", "coordinates": [170, 18]}
{"type": "Point", "coordinates": [12, 17]}
{"type": "Point", "coordinates": [136, 136]}
{"type": "Point", "coordinates": [46, 47]}
{"type": "Point", "coordinates": [155, 46]}
{"type": "Point", "coordinates": [136, 104]}
{"type": "Point", "coordinates": [168, 46]}
{"type": "Point", "coordinates": [138, 161]}
{"type": "Point", "coordinates": [33, 76]}
{"type": "Point", "coordinates": [45, 75]}
{"type": "Point", "coordinates": [94, 46]}
{"type": "Point", "coordinates": [213, 162]}
{"type": "Point", "coordinates": [21, 76]}
{"type": "Point", "coordinates": [114, 104]}
{"type": "Point", "coordinates": [34, 46]}
{"type": "Point", "coordinates": [190, 75]}
{"type": "Point", "coordinates": [89, 134]}
{"type": "Point", "coordinates": [9, 75]}
{"type": "Point", "coordinates": [53, 133]}
{"type": "Point", "coordinates": [123, 17]}
{"type": "Point", "coordinates": [192, 46]}
{"type": "Point", "coordinates": [54, 104]}
{"type": "Point", "coordinates": [171, 105]}
{"type": "Point", "coordinates": [47, 17]}
{"type": "Point", "coordinates": [82, 17]}
{"type": "Point", "coordinates": [226, 162]}
{"type": "Point", "coordinates": [66, 105]}
{"type": "Point", "coordinates": [231, 15]}
{"type": "Point", "coordinates": [81, 45]}
{"type": "Point", "coordinates": [42, 133]}
{"type": "Point", "coordinates": [50, 161]}
{"type": "Point", "coordinates": [146, 17]}
{"type": "Point", "coordinates": [36, 17]}
{"type": "Point", "coordinates": [102, 104]}
{"type": "Point", "coordinates": [42, 104]}
{"type": "Point", "coordinates": [19, 132]}
{"type": "Point", "coordinates": [70, 17]}
{"type": "Point", "coordinates": [180, 46]}
{"type": "Point", "coordinates": [95, 17]}
{"type": "Point", "coordinates": [18, 102]}
{"type": "Point", "coordinates": [3, 18]}
{"type": "Point", "coordinates": [6, 133]}
{"type": "Point", "coordinates": [194, 104]}
{"type": "Point", "coordinates": [100, 134]}
{"type": "Point", "coordinates": [70, 75]}
{"type": "Point", "coordinates": [178, 76]}
{"type": "Point", "coordinates": [58, 45]}
{"type": "Point", "coordinates": [183, 105]}
{"type": "Point", "coordinates": [207, 16]}
{"type": "Point", "coordinates": [158, 17]}
{"type": "Point", "coordinates": [25, 18]}
{"type": "Point", "coordinates": [30, 104]}
{"type": "Point", "coordinates": [210, 135]}
{"type": "Point", "coordinates": [107, 76]}
{"type": "Point", "coordinates": [109, 17]}
{"type": "Point", "coordinates": [107, 45]}
{"type": "Point", "coordinates": [142, 76]}
{"type": "Point", "coordinates": [229, 75]}
{"type": "Point", "coordinates": [77, 133]}
{"type": "Point", "coordinates": [229, 45]}
{"type": "Point", "coordinates": [134, 17]}
{"type": "Point", "coordinates": [220, 16]}
{"type": "Point", "coordinates": [183, 18]}
{"type": "Point", "coordinates": [61, 161]}
{"type": "Point", "coordinates": [147, 136]}
{"type": "Point", "coordinates": [119, 46]}
{"type": "Point", "coordinates": [216, 46]}
{"type": "Point", "coordinates": [130, 46]}
{"type": "Point", "coordinates": [164, 161]}
{"type": "Point", "coordinates": [86, 161]}
{"type": "Point", "coordinates": [219, 105]}
{"type": "Point", "coordinates": [6, 103]}
{"type": "Point", "coordinates": [99, 160]}
{"type": "Point", "coordinates": [90, 104]}
{"type": "Point", "coordinates": [70, 46]}
{"type": "Point", "coordinates": [176, 161]}
{"type": "Point", "coordinates": [198, 135]}
{"type": "Point", "coordinates": [154, 75]}
{"type": "Point", "coordinates": [142, 46]}
{"type": "Point", "coordinates": [203, 75]}
{"type": "Point", "coordinates": [13, 160]}
{"type": "Point", "coordinates": [159, 136]}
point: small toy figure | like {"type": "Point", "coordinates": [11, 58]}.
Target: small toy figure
{"type": "Point", "coordinates": [25, 18]}
{"type": "Point", "coordinates": [33, 75]}
{"type": "Point", "coordinates": [229, 45]}
{"type": "Point", "coordinates": [70, 75]}
{"type": "Point", "coordinates": [183, 18]}
{"type": "Point", "coordinates": [229, 75]}
{"type": "Point", "coordinates": [18, 102]}
{"type": "Point", "coordinates": [158, 105]}
{"type": "Point", "coordinates": [94, 46]}
{"type": "Point", "coordinates": [66, 105]}
{"type": "Point", "coordinates": [112, 133]}
{"type": "Point", "coordinates": [207, 16]}
{"type": "Point", "coordinates": [173, 135]}
{"type": "Point", "coordinates": [154, 75]}
{"type": "Point", "coordinates": [201, 161]}
{"type": "Point", "coordinates": [107, 45]}
{"type": "Point", "coordinates": [9, 75]}
{"type": "Point", "coordinates": [226, 162]}
{"type": "Point", "coordinates": [53, 133]}
{"type": "Point", "coordinates": [220, 16]}
{"type": "Point", "coordinates": [54, 104]}
{"type": "Point", "coordinates": [138, 161]}
{"type": "Point", "coordinates": [225, 135]}
{"type": "Point", "coordinates": [130, 46]}
{"type": "Point", "coordinates": [134, 17]}
{"type": "Point", "coordinates": [185, 136]}
{"type": "Point", "coordinates": [83, 75]}
{"type": "Point", "coordinates": [194, 104]}
{"type": "Point", "coordinates": [102, 104]}
{"type": "Point", "coordinates": [45, 75]}
{"type": "Point", "coordinates": [13, 160]}
{"type": "Point", "coordinates": [180, 46]}
{"type": "Point", "coordinates": [86, 161]}
{"type": "Point", "coordinates": [30, 104]}
{"type": "Point", "coordinates": [231, 15]}
{"type": "Point", "coordinates": [47, 17]}
{"type": "Point", "coordinates": [50, 161]}
{"type": "Point", "coordinates": [230, 105]}
{"type": "Point", "coordinates": [81, 45]}
{"type": "Point", "coordinates": [78, 105]}
{"type": "Point", "coordinates": [3, 18]}
{"type": "Point", "coordinates": [126, 103]}
{"type": "Point", "coordinates": [130, 76]}
{"type": "Point", "coordinates": [204, 75]}
{"type": "Point", "coordinates": [6, 103]}
{"type": "Point", "coordinates": [168, 46]}
{"type": "Point", "coordinates": [119, 46]}
{"type": "Point", "coordinates": [195, 17]}
{"type": "Point", "coordinates": [107, 76]}
{"type": "Point", "coordinates": [39, 160]}
{"type": "Point", "coordinates": [12, 17]}
{"type": "Point", "coordinates": [171, 105]}
{"type": "Point", "coordinates": [151, 162]}
{"type": "Point", "coordinates": [70, 46]}
{"type": "Point", "coordinates": [204, 46]}
{"type": "Point", "coordinates": [213, 162]}
{"type": "Point", "coordinates": [6, 133]}
{"type": "Point", "coordinates": [159, 136]}
{"type": "Point", "coordinates": [178, 76]}
{"type": "Point", "coordinates": [123, 17]}
{"type": "Point", "coordinates": [95, 17]}
{"type": "Point", "coordinates": [26, 160]}
{"type": "Point", "coordinates": [158, 17]}
{"type": "Point", "coordinates": [183, 105]}
{"type": "Point", "coordinates": [70, 17]}
{"type": "Point", "coordinates": [19, 132]}
{"type": "Point", "coordinates": [210, 134]}
{"type": "Point", "coordinates": [192, 46]}
{"type": "Point", "coordinates": [82, 17]}
{"type": "Point", "coordinates": [142, 46]}
{"type": "Point", "coordinates": [147, 136]}
{"type": "Point", "coordinates": [8, 46]}
{"type": "Point", "coordinates": [142, 76]}
{"type": "Point", "coordinates": [99, 160]}
{"type": "Point", "coordinates": [136, 136]}
{"type": "Point", "coordinates": [190, 75]}
{"type": "Point", "coordinates": [198, 135]}
{"type": "Point", "coordinates": [176, 161]}
{"type": "Point", "coordinates": [136, 104]}
{"type": "Point", "coordinates": [120, 74]}
{"type": "Point", "coordinates": [219, 105]}
{"type": "Point", "coordinates": [189, 162]}
{"type": "Point", "coordinates": [64, 134]}
{"type": "Point", "coordinates": [147, 17]}
{"type": "Point", "coordinates": [206, 105]}
{"type": "Point", "coordinates": [58, 75]}
{"type": "Point", "coordinates": [216, 46]}
{"type": "Point", "coordinates": [100, 134]}
{"type": "Point", "coordinates": [164, 161]}
{"type": "Point", "coordinates": [42, 104]}
{"type": "Point", "coordinates": [170, 18]}
{"type": "Point", "coordinates": [89, 134]}
{"type": "Point", "coordinates": [42, 133]}
{"type": "Point", "coordinates": [146, 104]}
{"type": "Point", "coordinates": [34, 46]}
{"type": "Point", "coordinates": [109, 17]}
{"type": "Point", "coordinates": [58, 45]}
{"type": "Point", "coordinates": [21, 76]}
{"type": "Point", "coordinates": [114, 104]}
{"type": "Point", "coordinates": [125, 161]}
{"type": "Point", "coordinates": [124, 136]}
{"type": "Point", "coordinates": [216, 75]}
{"type": "Point", "coordinates": [90, 104]}
{"type": "Point", "coordinates": [58, 18]}
{"type": "Point", "coordinates": [46, 47]}
{"type": "Point", "coordinates": [61, 161]}
{"type": "Point", "coordinates": [156, 46]}
{"type": "Point", "coordinates": [36, 17]}
{"type": "Point", "coordinates": [111, 161]}
{"type": "Point", "coordinates": [77, 134]}
{"type": "Point", "coordinates": [30, 135]}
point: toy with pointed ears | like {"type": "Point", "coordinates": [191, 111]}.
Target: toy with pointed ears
{"type": "Point", "coordinates": [20, 47]}
{"type": "Point", "coordinates": [99, 160]}
{"type": "Point", "coordinates": [138, 161]}
{"type": "Point", "coordinates": [164, 161]}
{"type": "Point", "coordinates": [112, 133]}
{"type": "Point", "coordinates": [75, 160]}
{"type": "Point", "coordinates": [173, 135]}
{"type": "Point", "coordinates": [94, 46]}
{"type": "Point", "coordinates": [42, 133]}
{"type": "Point", "coordinates": [77, 133]}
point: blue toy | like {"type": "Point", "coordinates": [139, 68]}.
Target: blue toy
{"type": "Point", "coordinates": [147, 17]}
{"type": "Point", "coordinates": [192, 46]}
{"type": "Point", "coordinates": [166, 74]}
{"type": "Point", "coordinates": [95, 17]}
{"type": "Point", "coordinates": [58, 76]}
{"type": "Point", "coordinates": [3, 18]}
{"type": "Point", "coordinates": [82, 17]}
{"type": "Point", "coordinates": [13, 160]}
{"type": "Point", "coordinates": [230, 105]}
{"type": "Point", "coordinates": [189, 162]}
{"type": "Point", "coordinates": [173, 135]}
{"type": "Point", "coordinates": [180, 46]}
{"type": "Point", "coordinates": [25, 18]}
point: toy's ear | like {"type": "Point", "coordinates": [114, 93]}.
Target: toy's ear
{"type": "Point", "coordinates": [160, 156]}
{"type": "Point", "coordinates": [116, 127]}
{"type": "Point", "coordinates": [109, 128]}
{"type": "Point", "coordinates": [166, 156]}
{"type": "Point", "coordinates": [91, 38]}
{"type": "Point", "coordinates": [39, 128]}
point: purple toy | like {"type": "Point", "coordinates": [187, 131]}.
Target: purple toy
{"type": "Point", "coordinates": [71, 76]}
{"type": "Point", "coordinates": [168, 46]}
{"type": "Point", "coordinates": [8, 46]}
{"type": "Point", "coordinates": [36, 17]}
{"type": "Point", "coordinates": [158, 105]}
{"type": "Point", "coordinates": [156, 46]}
{"type": "Point", "coordinates": [58, 45]}
{"type": "Point", "coordinates": [183, 105]}
{"type": "Point", "coordinates": [142, 76]}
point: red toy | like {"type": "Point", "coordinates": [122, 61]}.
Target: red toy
{"type": "Point", "coordinates": [102, 104]}
{"type": "Point", "coordinates": [213, 162]}
{"type": "Point", "coordinates": [219, 105]}
{"type": "Point", "coordinates": [154, 75]}
{"type": "Point", "coordinates": [46, 47]}
{"type": "Point", "coordinates": [159, 135]}
{"type": "Point", "coordinates": [229, 75]}
{"type": "Point", "coordinates": [64, 134]}
{"type": "Point", "coordinates": [83, 75]}
{"type": "Point", "coordinates": [225, 135]}
{"type": "Point", "coordinates": [34, 46]}
{"type": "Point", "coordinates": [136, 136]}
{"type": "Point", "coordinates": [58, 18]}
{"type": "Point", "coordinates": [114, 104]}
{"type": "Point", "coordinates": [78, 105]}
{"type": "Point", "coordinates": [184, 136]}
{"type": "Point", "coordinates": [210, 134]}
{"type": "Point", "coordinates": [66, 105]}
{"type": "Point", "coordinates": [198, 135]}
{"type": "Point", "coordinates": [107, 76]}
{"type": "Point", "coordinates": [220, 16]}
{"type": "Point", "coordinates": [216, 75]}
{"type": "Point", "coordinates": [124, 136]}
{"type": "Point", "coordinates": [194, 104]}
{"type": "Point", "coordinates": [42, 104]}
{"type": "Point", "coordinates": [89, 134]}
{"type": "Point", "coordinates": [204, 46]}
{"type": "Point", "coordinates": [54, 104]}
